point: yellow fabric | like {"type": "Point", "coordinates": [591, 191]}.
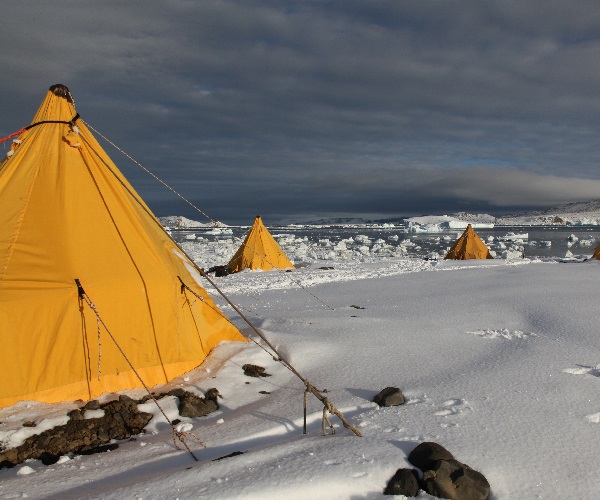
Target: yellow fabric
{"type": "Point", "coordinates": [67, 212]}
{"type": "Point", "coordinates": [259, 251]}
{"type": "Point", "coordinates": [468, 246]}
{"type": "Point", "coordinates": [596, 253]}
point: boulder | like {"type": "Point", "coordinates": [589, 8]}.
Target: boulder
{"type": "Point", "coordinates": [425, 455]}
{"type": "Point", "coordinates": [403, 482]}
{"type": "Point", "coordinates": [456, 481]}
{"type": "Point", "coordinates": [390, 396]}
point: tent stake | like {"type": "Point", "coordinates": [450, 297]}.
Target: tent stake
{"type": "Point", "coordinates": [305, 393]}
{"type": "Point", "coordinates": [327, 405]}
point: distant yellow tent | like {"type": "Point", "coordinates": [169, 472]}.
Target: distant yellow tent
{"type": "Point", "coordinates": [67, 213]}
{"type": "Point", "coordinates": [468, 246]}
{"type": "Point", "coordinates": [259, 251]}
{"type": "Point", "coordinates": [596, 253]}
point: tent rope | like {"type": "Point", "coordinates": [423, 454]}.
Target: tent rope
{"type": "Point", "coordinates": [214, 221]}
{"type": "Point", "coordinates": [99, 343]}
{"type": "Point", "coordinates": [23, 129]}
{"type": "Point", "coordinates": [14, 134]}
{"type": "Point", "coordinates": [181, 436]}
{"type": "Point", "coordinates": [153, 175]}
{"type": "Point", "coordinates": [327, 405]}
{"type": "Point", "coordinates": [218, 311]}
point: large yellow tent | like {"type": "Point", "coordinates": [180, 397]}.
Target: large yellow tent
{"type": "Point", "coordinates": [67, 213]}
{"type": "Point", "coordinates": [596, 253]}
{"type": "Point", "coordinates": [468, 246]}
{"type": "Point", "coordinates": [259, 251]}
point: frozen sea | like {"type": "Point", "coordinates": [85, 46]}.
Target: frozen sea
{"type": "Point", "coordinates": [313, 243]}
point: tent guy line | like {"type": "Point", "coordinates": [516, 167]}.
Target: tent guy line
{"type": "Point", "coordinates": [181, 436]}
{"type": "Point", "coordinates": [214, 221]}
{"type": "Point", "coordinates": [327, 405]}
{"type": "Point", "coordinates": [59, 179]}
{"type": "Point", "coordinates": [258, 259]}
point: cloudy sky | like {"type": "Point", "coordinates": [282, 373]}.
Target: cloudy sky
{"type": "Point", "coordinates": [308, 109]}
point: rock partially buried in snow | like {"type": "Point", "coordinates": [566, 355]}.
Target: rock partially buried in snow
{"type": "Point", "coordinates": [121, 420]}
{"type": "Point", "coordinates": [255, 371]}
{"type": "Point", "coordinates": [404, 482]}
{"type": "Point", "coordinates": [425, 455]}
{"type": "Point", "coordinates": [446, 477]}
{"type": "Point", "coordinates": [455, 480]}
{"type": "Point", "coordinates": [390, 396]}
{"type": "Point", "coordinates": [191, 405]}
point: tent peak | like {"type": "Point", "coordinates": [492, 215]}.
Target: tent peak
{"type": "Point", "coordinates": [61, 90]}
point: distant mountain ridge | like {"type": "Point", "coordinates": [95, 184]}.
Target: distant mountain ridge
{"type": "Point", "coordinates": [574, 214]}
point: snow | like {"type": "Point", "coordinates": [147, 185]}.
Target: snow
{"type": "Point", "coordinates": [498, 360]}
{"type": "Point", "coordinates": [439, 223]}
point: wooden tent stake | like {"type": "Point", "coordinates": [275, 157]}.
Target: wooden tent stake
{"type": "Point", "coordinates": [327, 405]}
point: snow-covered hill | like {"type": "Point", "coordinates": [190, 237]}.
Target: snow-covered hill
{"type": "Point", "coordinates": [180, 222]}
{"type": "Point", "coordinates": [570, 214]}
{"type": "Point", "coordinates": [576, 214]}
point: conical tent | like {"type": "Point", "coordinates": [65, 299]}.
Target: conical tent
{"type": "Point", "coordinates": [596, 253]}
{"type": "Point", "coordinates": [259, 251]}
{"type": "Point", "coordinates": [67, 213]}
{"type": "Point", "coordinates": [468, 246]}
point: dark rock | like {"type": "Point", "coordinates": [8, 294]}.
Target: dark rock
{"type": "Point", "coordinates": [29, 423]}
{"type": "Point", "coordinates": [425, 455]}
{"type": "Point", "coordinates": [357, 307]}
{"type": "Point", "coordinates": [254, 371]}
{"type": "Point", "coordinates": [75, 415]}
{"type": "Point", "coordinates": [191, 405]}
{"type": "Point", "coordinates": [404, 482]}
{"type": "Point", "coordinates": [121, 420]}
{"type": "Point", "coordinates": [456, 481]}
{"type": "Point", "coordinates": [390, 396]}
{"type": "Point", "coordinates": [213, 394]}
{"type": "Point", "coordinates": [93, 404]}
{"type": "Point", "coordinates": [178, 393]}
{"type": "Point", "coordinates": [48, 458]}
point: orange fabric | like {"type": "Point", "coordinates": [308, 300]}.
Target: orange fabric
{"type": "Point", "coordinates": [259, 251]}
{"type": "Point", "coordinates": [67, 212]}
{"type": "Point", "coordinates": [468, 246]}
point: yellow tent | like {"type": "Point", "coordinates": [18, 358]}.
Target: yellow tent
{"type": "Point", "coordinates": [67, 213]}
{"type": "Point", "coordinates": [596, 253]}
{"type": "Point", "coordinates": [259, 251]}
{"type": "Point", "coordinates": [468, 246]}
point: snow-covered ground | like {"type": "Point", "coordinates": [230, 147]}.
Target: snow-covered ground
{"type": "Point", "coordinates": [498, 359]}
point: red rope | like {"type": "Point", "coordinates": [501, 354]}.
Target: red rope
{"type": "Point", "coordinates": [14, 134]}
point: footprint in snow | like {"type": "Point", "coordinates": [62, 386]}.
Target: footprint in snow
{"type": "Point", "coordinates": [594, 371]}
{"type": "Point", "coordinates": [452, 407]}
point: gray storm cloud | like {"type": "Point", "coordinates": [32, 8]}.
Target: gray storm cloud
{"type": "Point", "coordinates": [324, 107]}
